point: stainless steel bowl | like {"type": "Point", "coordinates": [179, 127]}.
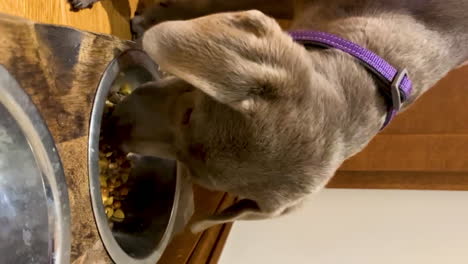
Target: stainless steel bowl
{"type": "Point", "coordinates": [152, 204]}
{"type": "Point", "coordinates": [34, 207]}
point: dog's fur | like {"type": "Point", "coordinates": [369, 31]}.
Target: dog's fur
{"type": "Point", "coordinates": [253, 113]}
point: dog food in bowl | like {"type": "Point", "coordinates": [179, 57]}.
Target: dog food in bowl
{"type": "Point", "coordinates": [149, 200]}
{"type": "Point", "coordinates": [114, 167]}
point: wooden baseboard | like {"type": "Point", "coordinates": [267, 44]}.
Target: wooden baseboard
{"type": "Point", "coordinates": [435, 153]}
{"type": "Point", "coordinates": [204, 247]}
{"type": "Point", "coordinates": [400, 180]}
{"type": "Point", "coordinates": [211, 242]}
{"type": "Point", "coordinates": [222, 238]}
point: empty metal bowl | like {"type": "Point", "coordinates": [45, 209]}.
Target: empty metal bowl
{"type": "Point", "coordinates": [34, 207]}
{"type": "Point", "coordinates": [152, 203]}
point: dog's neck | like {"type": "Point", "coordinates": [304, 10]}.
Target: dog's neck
{"type": "Point", "coordinates": [399, 38]}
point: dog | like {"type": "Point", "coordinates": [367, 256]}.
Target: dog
{"type": "Point", "coordinates": [251, 112]}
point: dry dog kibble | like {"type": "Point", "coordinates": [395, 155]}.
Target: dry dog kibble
{"type": "Point", "coordinates": [109, 212]}
{"type": "Point", "coordinates": [125, 89]}
{"type": "Point", "coordinates": [124, 191]}
{"type": "Point", "coordinates": [114, 171]}
{"type": "Point", "coordinates": [118, 215]}
{"type": "Point", "coordinates": [114, 167]}
{"type": "Point", "coordinates": [116, 204]}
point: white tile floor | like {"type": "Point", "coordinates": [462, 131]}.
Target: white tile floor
{"type": "Point", "coordinates": [359, 227]}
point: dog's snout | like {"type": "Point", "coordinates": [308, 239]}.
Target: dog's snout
{"type": "Point", "coordinates": [115, 132]}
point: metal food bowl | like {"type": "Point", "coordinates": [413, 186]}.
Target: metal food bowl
{"type": "Point", "coordinates": [152, 203]}
{"type": "Point", "coordinates": [34, 205]}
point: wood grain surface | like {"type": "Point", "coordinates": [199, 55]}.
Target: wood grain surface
{"type": "Point", "coordinates": [108, 16]}
{"type": "Point", "coordinates": [198, 248]}
{"type": "Point", "coordinates": [416, 180]}
{"type": "Point", "coordinates": [413, 152]}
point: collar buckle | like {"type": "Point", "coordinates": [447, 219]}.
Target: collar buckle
{"type": "Point", "coordinates": [395, 89]}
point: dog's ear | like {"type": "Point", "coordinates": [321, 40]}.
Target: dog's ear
{"type": "Point", "coordinates": [244, 209]}
{"type": "Point", "coordinates": [236, 58]}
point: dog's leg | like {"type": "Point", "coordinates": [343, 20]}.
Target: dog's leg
{"type": "Point", "coordinates": [82, 4]}
{"type": "Point", "coordinates": [463, 64]}
{"type": "Point", "coordinates": [242, 210]}
{"type": "Point", "coordinates": [165, 10]}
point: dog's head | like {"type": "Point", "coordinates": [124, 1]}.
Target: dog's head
{"type": "Point", "coordinates": [244, 113]}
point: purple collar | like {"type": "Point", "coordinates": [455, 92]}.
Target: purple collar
{"type": "Point", "coordinates": [397, 87]}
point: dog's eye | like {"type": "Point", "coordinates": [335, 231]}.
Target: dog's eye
{"type": "Point", "coordinates": [187, 116]}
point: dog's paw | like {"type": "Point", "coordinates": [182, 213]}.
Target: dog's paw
{"type": "Point", "coordinates": [81, 4]}
{"type": "Point", "coordinates": [200, 226]}
{"type": "Point", "coordinates": [137, 26]}
{"type": "Point", "coordinates": [160, 11]}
